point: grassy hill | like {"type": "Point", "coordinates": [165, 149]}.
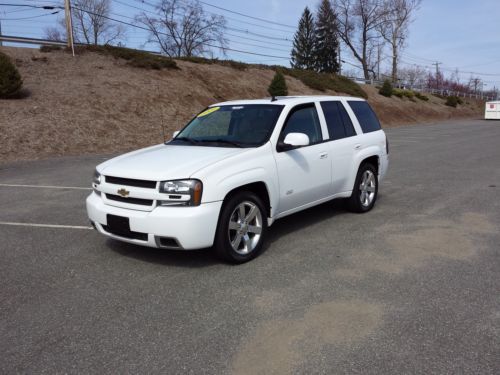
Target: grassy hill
{"type": "Point", "coordinates": [99, 103]}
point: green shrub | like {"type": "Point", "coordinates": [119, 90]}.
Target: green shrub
{"type": "Point", "coordinates": [459, 100]}
{"type": "Point", "coordinates": [398, 92]}
{"type": "Point", "coordinates": [421, 96]}
{"type": "Point", "coordinates": [325, 81]}
{"type": "Point", "coordinates": [196, 59]}
{"type": "Point", "coordinates": [136, 58]}
{"type": "Point", "coordinates": [278, 85]}
{"type": "Point", "coordinates": [409, 94]}
{"type": "Point", "coordinates": [50, 48]}
{"type": "Point", "coordinates": [10, 79]}
{"type": "Point", "coordinates": [386, 89]}
{"type": "Point", "coordinates": [203, 60]}
{"type": "Point", "coordinates": [452, 101]}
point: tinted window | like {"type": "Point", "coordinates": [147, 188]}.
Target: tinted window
{"type": "Point", "coordinates": [304, 120]}
{"type": "Point", "coordinates": [349, 128]}
{"type": "Point", "coordinates": [366, 117]}
{"type": "Point", "coordinates": [337, 119]}
{"type": "Point", "coordinates": [333, 120]}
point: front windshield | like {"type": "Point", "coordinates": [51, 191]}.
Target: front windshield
{"type": "Point", "coordinates": [248, 125]}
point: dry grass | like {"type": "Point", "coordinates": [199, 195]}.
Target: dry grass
{"type": "Point", "coordinates": [97, 104]}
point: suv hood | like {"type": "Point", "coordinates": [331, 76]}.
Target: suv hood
{"type": "Point", "coordinates": [165, 162]}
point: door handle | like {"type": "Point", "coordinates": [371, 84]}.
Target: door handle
{"type": "Point", "coordinates": [323, 155]}
{"type": "Point", "coordinates": [357, 147]}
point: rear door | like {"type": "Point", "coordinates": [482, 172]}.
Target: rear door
{"type": "Point", "coordinates": [304, 173]}
{"type": "Point", "coordinates": [342, 143]}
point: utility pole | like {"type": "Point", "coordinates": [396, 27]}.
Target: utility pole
{"type": "Point", "coordinates": [69, 25]}
{"type": "Point", "coordinates": [437, 73]}
{"type": "Point", "coordinates": [378, 60]}
{"type": "Point", "coordinates": [1, 43]}
{"type": "Point", "coordinates": [338, 56]}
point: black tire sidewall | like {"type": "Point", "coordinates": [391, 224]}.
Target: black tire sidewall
{"type": "Point", "coordinates": [354, 201]}
{"type": "Point", "coordinates": [222, 245]}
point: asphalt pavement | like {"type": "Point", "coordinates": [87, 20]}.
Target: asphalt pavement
{"type": "Point", "coordinates": [411, 287]}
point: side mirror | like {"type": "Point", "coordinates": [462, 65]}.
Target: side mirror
{"type": "Point", "coordinates": [175, 133]}
{"type": "Point", "coordinates": [294, 140]}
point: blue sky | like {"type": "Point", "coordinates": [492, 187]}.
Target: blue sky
{"type": "Point", "coordinates": [459, 34]}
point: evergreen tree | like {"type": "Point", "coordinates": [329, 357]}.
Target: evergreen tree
{"type": "Point", "coordinates": [278, 85]}
{"type": "Point", "coordinates": [10, 79]}
{"type": "Point", "coordinates": [386, 89]}
{"type": "Point", "coordinates": [303, 43]}
{"type": "Point", "coordinates": [327, 42]}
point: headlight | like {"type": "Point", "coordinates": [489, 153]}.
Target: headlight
{"type": "Point", "coordinates": [181, 193]}
{"type": "Point", "coordinates": [97, 178]}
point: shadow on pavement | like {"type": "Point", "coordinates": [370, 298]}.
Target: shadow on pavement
{"type": "Point", "coordinates": [206, 257]}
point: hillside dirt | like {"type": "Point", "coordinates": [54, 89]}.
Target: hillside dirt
{"type": "Point", "coordinates": [95, 104]}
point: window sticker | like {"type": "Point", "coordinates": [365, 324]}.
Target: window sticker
{"type": "Point", "coordinates": [208, 111]}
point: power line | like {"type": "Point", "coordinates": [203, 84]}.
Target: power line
{"type": "Point", "coordinates": [243, 31]}
{"type": "Point", "coordinates": [229, 40]}
{"type": "Point", "coordinates": [248, 16]}
{"type": "Point", "coordinates": [206, 44]}
{"type": "Point", "coordinates": [29, 18]}
{"type": "Point", "coordinates": [216, 14]}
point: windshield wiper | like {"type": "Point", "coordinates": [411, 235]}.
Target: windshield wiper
{"type": "Point", "coordinates": [186, 139]}
{"type": "Point", "coordinates": [220, 140]}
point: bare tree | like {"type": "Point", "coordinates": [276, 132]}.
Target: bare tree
{"type": "Point", "coordinates": [55, 33]}
{"type": "Point", "coordinates": [359, 22]}
{"type": "Point", "coordinates": [394, 28]}
{"type": "Point", "coordinates": [91, 24]}
{"type": "Point", "coordinates": [413, 76]}
{"type": "Point", "coordinates": [182, 28]}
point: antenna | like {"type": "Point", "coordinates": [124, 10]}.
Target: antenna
{"type": "Point", "coordinates": [161, 113]}
{"type": "Point", "coordinates": [273, 98]}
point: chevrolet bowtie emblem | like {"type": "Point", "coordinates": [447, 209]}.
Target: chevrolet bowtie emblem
{"type": "Point", "coordinates": [123, 192]}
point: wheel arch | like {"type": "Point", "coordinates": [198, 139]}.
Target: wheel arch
{"type": "Point", "coordinates": [260, 189]}
{"type": "Point", "coordinates": [368, 156]}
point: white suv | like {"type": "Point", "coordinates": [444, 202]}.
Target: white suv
{"type": "Point", "coordinates": [237, 167]}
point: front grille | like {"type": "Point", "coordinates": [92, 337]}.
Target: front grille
{"type": "Point", "coordinates": [126, 233]}
{"type": "Point", "coordinates": [142, 202]}
{"type": "Point", "coordinates": [131, 182]}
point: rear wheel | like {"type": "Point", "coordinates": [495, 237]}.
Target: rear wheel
{"type": "Point", "coordinates": [241, 229]}
{"type": "Point", "coordinates": [364, 193]}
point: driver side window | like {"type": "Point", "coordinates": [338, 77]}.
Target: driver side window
{"type": "Point", "coordinates": [303, 119]}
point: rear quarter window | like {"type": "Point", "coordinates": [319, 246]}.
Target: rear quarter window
{"type": "Point", "coordinates": [365, 115]}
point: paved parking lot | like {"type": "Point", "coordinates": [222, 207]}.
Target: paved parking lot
{"type": "Point", "coordinates": [411, 287]}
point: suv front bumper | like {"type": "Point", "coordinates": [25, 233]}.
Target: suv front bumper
{"type": "Point", "coordinates": [188, 227]}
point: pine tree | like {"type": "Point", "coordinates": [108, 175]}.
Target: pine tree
{"type": "Point", "coordinates": [386, 89]}
{"type": "Point", "coordinates": [303, 43]}
{"type": "Point", "coordinates": [327, 42]}
{"type": "Point", "coordinates": [278, 85]}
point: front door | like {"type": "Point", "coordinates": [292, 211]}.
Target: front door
{"type": "Point", "coordinates": [304, 173]}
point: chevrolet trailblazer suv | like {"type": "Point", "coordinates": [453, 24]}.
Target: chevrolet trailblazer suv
{"type": "Point", "coordinates": [237, 167]}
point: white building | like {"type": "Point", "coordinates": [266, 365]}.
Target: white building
{"type": "Point", "coordinates": [492, 111]}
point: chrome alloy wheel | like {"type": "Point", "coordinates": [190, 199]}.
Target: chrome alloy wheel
{"type": "Point", "coordinates": [367, 188]}
{"type": "Point", "coordinates": [245, 227]}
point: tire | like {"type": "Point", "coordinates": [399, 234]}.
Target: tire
{"type": "Point", "coordinates": [241, 229]}
{"type": "Point", "coordinates": [365, 191]}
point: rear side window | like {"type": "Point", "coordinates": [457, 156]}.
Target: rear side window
{"type": "Point", "coordinates": [337, 119]}
{"type": "Point", "coordinates": [366, 117]}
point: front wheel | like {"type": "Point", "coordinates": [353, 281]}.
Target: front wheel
{"type": "Point", "coordinates": [364, 193]}
{"type": "Point", "coordinates": [241, 229]}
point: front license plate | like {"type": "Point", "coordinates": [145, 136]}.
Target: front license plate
{"type": "Point", "coordinates": [118, 223]}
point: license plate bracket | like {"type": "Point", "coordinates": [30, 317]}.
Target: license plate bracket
{"type": "Point", "coordinates": [118, 224]}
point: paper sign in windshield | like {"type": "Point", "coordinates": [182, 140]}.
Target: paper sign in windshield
{"type": "Point", "coordinates": [208, 111]}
